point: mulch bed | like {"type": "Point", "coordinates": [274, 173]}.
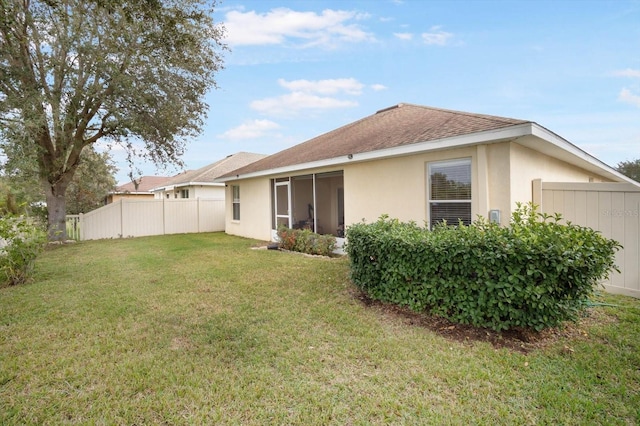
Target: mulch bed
{"type": "Point", "coordinates": [517, 340]}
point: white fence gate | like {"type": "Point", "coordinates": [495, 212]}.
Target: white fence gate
{"type": "Point", "coordinates": [611, 208]}
{"type": "Point", "coordinates": [137, 218]}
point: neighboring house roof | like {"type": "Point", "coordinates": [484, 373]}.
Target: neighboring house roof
{"type": "Point", "coordinates": [405, 129]}
{"type": "Point", "coordinates": [206, 175]}
{"type": "Point", "coordinates": [145, 184]}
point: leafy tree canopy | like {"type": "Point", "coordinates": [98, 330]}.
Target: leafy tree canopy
{"type": "Point", "coordinates": [20, 191]}
{"type": "Point", "coordinates": [75, 72]}
{"type": "Point", "coordinates": [630, 169]}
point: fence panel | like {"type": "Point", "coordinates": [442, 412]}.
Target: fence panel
{"type": "Point", "coordinates": [614, 210]}
{"type": "Point", "coordinates": [142, 217]}
{"type": "Point", "coordinates": [105, 222]}
{"type": "Point", "coordinates": [181, 216]}
{"type": "Point", "coordinates": [136, 218]}
{"type": "Point", "coordinates": [211, 215]}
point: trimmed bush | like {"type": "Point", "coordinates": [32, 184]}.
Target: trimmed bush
{"type": "Point", "coordinates": [534, 274]}
{"type": "Point", "coordinates": [21, 241]}
{"type": "Point", "coordinates": [306, 241]}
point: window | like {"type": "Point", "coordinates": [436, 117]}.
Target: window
{"type": "Point", "coordinates": [236, 201]}
{"type": "Point", "coordinates": [449, 186]}
{"type": "Point", "coordinates": [184, 193]}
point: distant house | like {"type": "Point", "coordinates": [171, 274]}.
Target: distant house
{"type": "Point", "coordinates": [201, 183]}
{"type": "Point", "coordinates": [138, 189]}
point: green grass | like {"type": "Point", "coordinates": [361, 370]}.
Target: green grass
{"type": "Point", "coordinates": [200, 329]}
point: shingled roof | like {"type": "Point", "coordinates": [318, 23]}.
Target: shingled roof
{"type": "Point", "coordinates": [209, 173]}
{"type": "Point", "coordinates": [402, 124]}
{"type": "Point", "coordinates": [145, 184]}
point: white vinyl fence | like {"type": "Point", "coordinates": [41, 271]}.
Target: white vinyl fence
{"type": "Point", "coordinates": [137, 218]}
{"type": "Point", "coordinates": [611, 208]}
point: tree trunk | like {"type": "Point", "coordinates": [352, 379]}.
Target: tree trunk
{"type": "Point", "coordinates": [56, 211]}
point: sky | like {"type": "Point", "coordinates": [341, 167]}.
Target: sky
{"type": "Point", "coordinates": [298, 69]}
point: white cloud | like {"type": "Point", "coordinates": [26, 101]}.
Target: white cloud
{"type": "Point", "coordinates": [292, 103]}
{"type": "Point", "coordinates": [250, 130]}
{"type": "Point", "coordinates": [628, 73]}
{"type": "Point", "coordinates": [629, 97]}
{"type": "Point", "coordinates": [328, 28]}
{"type": "Point", "coordinates": [403, 36]}
{"type": "Point", "coordinates": [350, 86]}
{"type": "Point", "coordinates": [436, 36]}
{"type": "Point", "coordinates": [378, 87]}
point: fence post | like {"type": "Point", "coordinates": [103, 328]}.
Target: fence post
{"type": "Point", "coordinates": [536, 195]}
{"type": "Point", "coordinates": [81, 226]}
{"type": "Point", "coordinates": [121, 218]}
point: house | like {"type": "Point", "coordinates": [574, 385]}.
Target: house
{"type": "Point", "coordinates": [139, 189]}
{"type": "Point", "coordinates": [201, 183]}
{"type": "Point", "coordinates": [424, 164]}
{"type": "Point", "coordinates": [413, 163]}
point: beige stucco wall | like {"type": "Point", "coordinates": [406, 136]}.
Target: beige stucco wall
{"type": "Point", "coordinates": [527, 165]}
{"type": "Point", "coordinates": [494, 179]}
{"type": "Point", "coordinates": [396, 186]}
{"type": "Point", "coordinates": [255, 209]}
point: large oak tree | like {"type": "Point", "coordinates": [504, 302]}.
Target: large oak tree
{"type": "Point", "coordinates": [132, 73]}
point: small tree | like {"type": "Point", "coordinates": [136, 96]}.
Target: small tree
{"type": "Point", "coordinates": [73, 72]}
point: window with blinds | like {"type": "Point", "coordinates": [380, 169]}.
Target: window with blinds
{"type": "Point", "coordinates": [450, 192]}
{"type": "Point", "coordinates": [236, 202]}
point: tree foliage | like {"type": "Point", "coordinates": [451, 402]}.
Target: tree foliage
{"type": "Point", "coordinates": [92, 182]}
{"type": "Point", "coordinates": [20, 191]}
{"type": "Point", "coordinates": [75, 72]}
{"type": "Point", "coordinates": [630, 169]}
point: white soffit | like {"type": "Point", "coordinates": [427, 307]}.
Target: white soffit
{"type": "Point", "coordinates": [564, 150]}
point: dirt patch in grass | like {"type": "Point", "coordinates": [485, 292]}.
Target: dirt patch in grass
{"type": "Point", "coordinates": [518, 340]}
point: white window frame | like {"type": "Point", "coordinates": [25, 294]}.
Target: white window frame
{"type": "Point", "coordinates": [235, 202]}
{"type": "Point", "coordinates": [430, 201]}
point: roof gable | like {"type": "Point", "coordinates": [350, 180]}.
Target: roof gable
{"type": "Point", "coordinates": [210, 172]}
{"type": "Point", "coordinates": [403, 124]}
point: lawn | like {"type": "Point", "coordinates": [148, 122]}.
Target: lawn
{"type": "Point", "coordinates": [202, 329]}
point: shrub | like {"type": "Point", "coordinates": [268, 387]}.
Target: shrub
{"type": "Point", "coordinates": [533, 274]}
{"type": "Point", "coordinates": [306, 241]}
{"type": "Point", "coordinates": [21, 241]}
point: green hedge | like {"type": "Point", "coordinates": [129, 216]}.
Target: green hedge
{"type": "Point", "coordinates": [534, 274]}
